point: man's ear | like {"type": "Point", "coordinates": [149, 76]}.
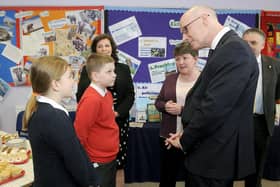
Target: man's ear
{"type": "Point", "coordinates": [205, 19]}
{"type": "Point", "coordinates": [263, 45]}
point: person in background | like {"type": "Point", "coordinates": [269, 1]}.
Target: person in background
{"type": "Point", "coordinates": [267, 96]}
{"type": "Point", "coordinates": [218, 136]}
{"type": "Point", "coordinates": [95, 119]}
{"type": "Point", "coordinates": [170, 102]}
{"type": "Point", "coordinates": [58, 157]}
{"type": "Point", "coordinates": [123, 93]}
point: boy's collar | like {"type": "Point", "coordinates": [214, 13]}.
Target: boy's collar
{"type": "Point", "coordinates": [101, 91]}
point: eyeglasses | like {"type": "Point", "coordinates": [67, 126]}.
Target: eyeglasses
{"type": "Point", "coordinates": [184, 29]}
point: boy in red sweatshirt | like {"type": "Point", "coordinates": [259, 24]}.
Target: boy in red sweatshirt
{"type": "Point", "coordinates": [95, 119]}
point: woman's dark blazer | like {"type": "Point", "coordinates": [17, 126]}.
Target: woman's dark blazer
{"type": "Point", "coordinates": [168, 122]}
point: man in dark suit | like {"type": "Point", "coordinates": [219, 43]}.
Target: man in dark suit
{"type": "Point", "coordinates": [218, 136]}
{"type": "Point", "coordinates": [267, 93]}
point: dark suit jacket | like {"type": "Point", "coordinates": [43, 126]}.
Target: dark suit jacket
{"type": "Point", "coordinates": [218, 135]}
{"type": "Point", "coordinates": [123, 87]}
{"type": "Point", "coordinates": [168, 123]}
{"type": "Point", "coordinates": [271, 89]}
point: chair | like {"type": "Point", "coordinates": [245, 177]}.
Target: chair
{"type": "Point", "coordinates": [21, 133]}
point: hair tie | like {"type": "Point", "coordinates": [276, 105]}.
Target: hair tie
{"type": "Point", "coordinates": [35, 94]}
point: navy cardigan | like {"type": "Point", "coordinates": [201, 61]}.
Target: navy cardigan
{"type": "Point", "coordinates": [58, 157]}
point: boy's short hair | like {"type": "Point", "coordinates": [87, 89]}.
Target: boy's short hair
{"type": "Point", "coordinates": [96, 61]}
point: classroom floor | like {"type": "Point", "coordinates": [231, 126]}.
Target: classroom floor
{"type": "Point", "coordinates": [265, 183]}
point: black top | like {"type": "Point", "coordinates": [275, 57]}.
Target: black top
{"type": "Point", "coordinates": [271, 89]}
{"type": "Point", "coordinates": [58, 157]}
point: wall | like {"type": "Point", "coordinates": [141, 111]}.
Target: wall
{"type": "Point", "coordinates": [15, 101]}
{"type": "Point", "coordinates": [219, 4]}
{"type": "Point", "coordinates": [18, 95]}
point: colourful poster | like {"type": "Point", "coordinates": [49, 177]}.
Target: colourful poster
{"type": "Point", "coordinates": [7, 38]}
{"type": "Point", "coordinates": [270, 24]}
{"type": "Point", "coordinates": [39, 31]}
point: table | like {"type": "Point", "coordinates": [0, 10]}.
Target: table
{"type": "Point", "coordinates": [28, 177]}
{"type": "Point", "coordinates": [143, 155]}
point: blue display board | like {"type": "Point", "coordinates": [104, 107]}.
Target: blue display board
{"type": "Point", "coordinates": [162, 23]}
{"type": "Point", "coordinates": [7, 26]}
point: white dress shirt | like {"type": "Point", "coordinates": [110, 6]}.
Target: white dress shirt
{"type": "Point", "coordinates": [258, 106]}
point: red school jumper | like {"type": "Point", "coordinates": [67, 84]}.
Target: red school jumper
{"type": "Point", "coordinates": [96, 127]}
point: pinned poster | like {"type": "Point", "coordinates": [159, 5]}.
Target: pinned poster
{"type": "Point", "coordinates": [270, 24]}
{"type": "Point", "coordinates": [234, 24]}
{"type": "Point", "coordinates": [32, 32]}
{"type": "Point", "coordinates": [4, 88]}
{"type": "Point", "coordinates": [125, 30]}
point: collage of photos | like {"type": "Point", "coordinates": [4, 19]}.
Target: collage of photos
{"type": "Point", "coordinates": [67, 33]}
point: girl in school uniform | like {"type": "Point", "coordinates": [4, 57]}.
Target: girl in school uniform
{"type": "Point", "coordinates": [58, 157]}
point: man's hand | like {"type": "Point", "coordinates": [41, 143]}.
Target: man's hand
{"type": "Point", "coordinates": [174, 140]}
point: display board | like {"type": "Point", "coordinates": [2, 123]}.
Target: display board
{"type": "Point", "coordinates": [28, 32]}
{"type": "Point", "coordinates": [8, 35]}
{"type": "Point", "coordinates": [270, 24]}
{"type": "Point", "coordinates": [150, 35]}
